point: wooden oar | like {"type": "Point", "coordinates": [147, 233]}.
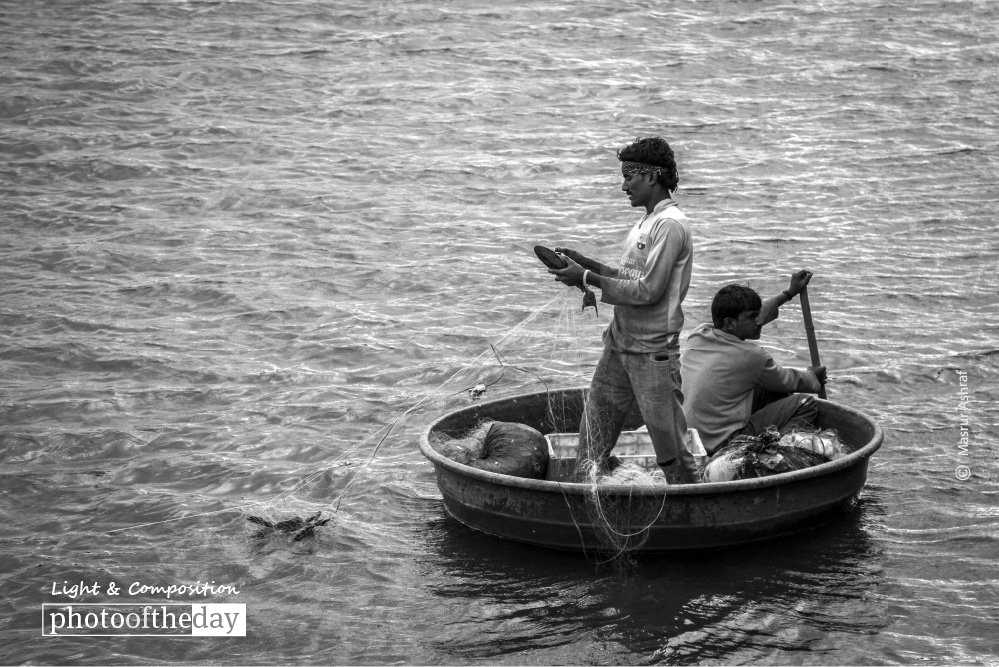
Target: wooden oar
{"type": "Point", "coordinates": [813, 346]}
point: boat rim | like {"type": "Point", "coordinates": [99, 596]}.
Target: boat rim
{"type": "Point", "coordinates": [697, 488]}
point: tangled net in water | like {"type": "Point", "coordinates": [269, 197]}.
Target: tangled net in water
{"type": "Point", "coordinates": [297, 527]}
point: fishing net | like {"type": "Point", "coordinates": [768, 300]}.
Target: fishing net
{"type": "Point", "coordinates": [621, 521]}
{"type": "Point", "coordinates": [554, 347]}
{"type": "Point", "coordinates": [558, 347]}
{"type": "Point", "coordinates": [773, 452]}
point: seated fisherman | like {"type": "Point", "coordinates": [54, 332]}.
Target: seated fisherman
{"type": "Point", "coordinates": [731, 385]}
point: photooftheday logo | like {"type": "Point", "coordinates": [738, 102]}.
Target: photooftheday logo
{"type": "Point", "coordinates": [144, 620]}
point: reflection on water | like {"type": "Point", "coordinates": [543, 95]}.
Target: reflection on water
{"type": "Point", "coordinates": [767, 602]}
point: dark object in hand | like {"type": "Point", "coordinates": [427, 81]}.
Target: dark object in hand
{"type": "Point", "coordinates": [549, 257]}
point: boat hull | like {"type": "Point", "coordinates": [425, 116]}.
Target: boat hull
{"type": "Point", "coordinates": [650, 519]}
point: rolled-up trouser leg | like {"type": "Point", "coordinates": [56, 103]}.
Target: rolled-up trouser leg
{"type": "Point", "coordinates": [608, 403]}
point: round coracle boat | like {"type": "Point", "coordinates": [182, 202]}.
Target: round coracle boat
{"type": "Point", "coordinates": [642, 518]}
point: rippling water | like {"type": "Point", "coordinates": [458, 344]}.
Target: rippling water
{"type": "Point", "coordinates": [240, 240]}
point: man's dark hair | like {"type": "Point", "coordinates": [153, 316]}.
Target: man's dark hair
{"type": "Point", "coordinates": [654, 151]}
{"type": "Point", "coordinates": [732, 300]}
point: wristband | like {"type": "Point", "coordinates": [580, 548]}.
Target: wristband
{"type": "Point", "coordinates": [788, 295]}
{"type": "Point", "coordinates": [585, 273]}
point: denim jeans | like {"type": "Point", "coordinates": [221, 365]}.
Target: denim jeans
{"type": "Point", "coordinates": [649, 383]}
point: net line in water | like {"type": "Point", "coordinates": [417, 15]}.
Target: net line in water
{"type": "Point", "coordinates": [549, 335]}
{"type": "Point", "coordinates": [545, 352]}
{"type": "Point", "coordinates": [540, 352]}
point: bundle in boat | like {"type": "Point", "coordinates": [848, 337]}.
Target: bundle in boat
{"type": "Point", "coordinates": [771, 453]}
{"type": "Point", "coordinates": [507, 448]}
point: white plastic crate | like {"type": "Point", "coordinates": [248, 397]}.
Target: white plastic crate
{"type": "Point", "coordinates": [632, 447]}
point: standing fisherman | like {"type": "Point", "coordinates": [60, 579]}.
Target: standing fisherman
{"type": "Point", "coordinates": [640, 365]}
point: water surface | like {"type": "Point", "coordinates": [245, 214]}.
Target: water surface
{"type": "Point", "coordinates": [247, 248]}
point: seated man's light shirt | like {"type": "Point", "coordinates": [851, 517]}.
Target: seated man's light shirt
{"type": "Point", "coordinates": [720, 372]}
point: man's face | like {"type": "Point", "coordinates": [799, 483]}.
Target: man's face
{"type": "Point", "coordinates": [639, 188]}
{"type": "Point", "coordinates": [747, 326]}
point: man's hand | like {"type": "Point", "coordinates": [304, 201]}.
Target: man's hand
{"type": "Point", "coordinates": [577, 257]}
{"type": "Point", "coordinates": [582, 260]}
{"type": "Point", "coordinates": [799, 281]}
{"type": "Point", "coordinates": [571, 275]}
{"type": "Point", "coordinates": [820, 373]}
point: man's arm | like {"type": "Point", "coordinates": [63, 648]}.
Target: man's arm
{"type": "Point", "coordinates": [799, 280]}
{"type": "Point", "coordinates": [670, 242]}
{"type": "Point", "coordinates": [585, 262]}
{"type": "Point", "coordinates": [791, 380]}
{"type": "Point", "coordinates": [577, 266]}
